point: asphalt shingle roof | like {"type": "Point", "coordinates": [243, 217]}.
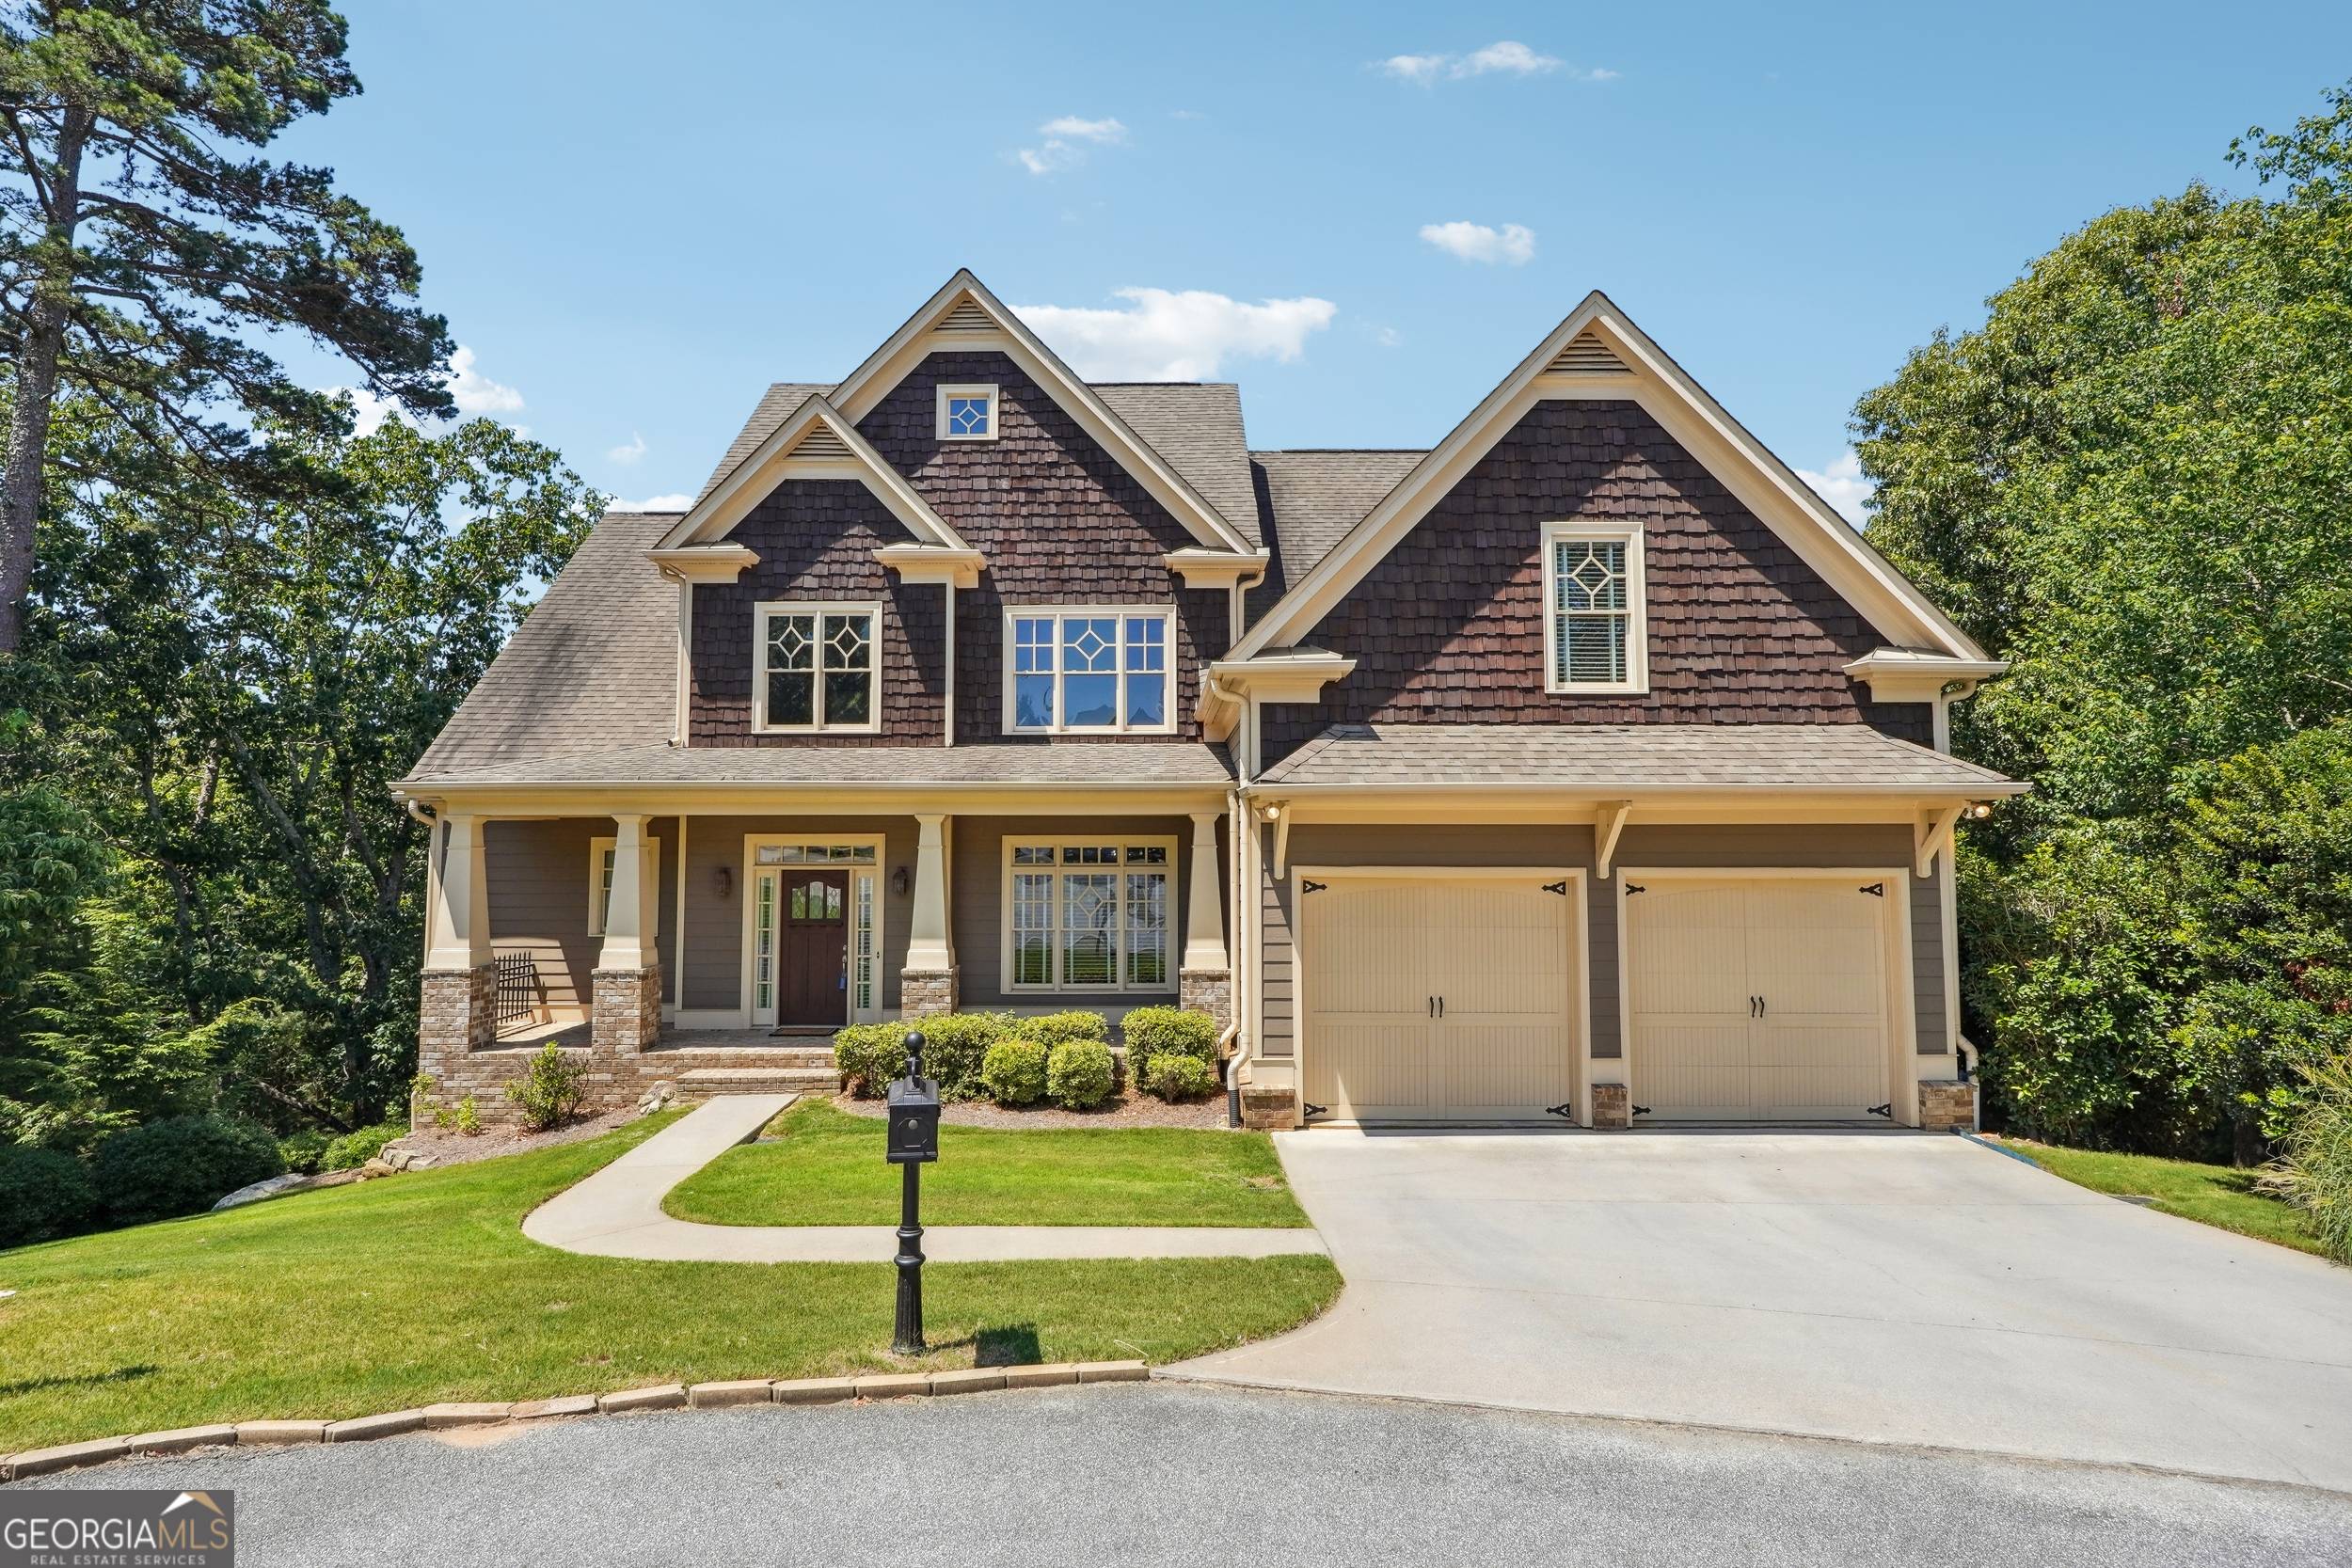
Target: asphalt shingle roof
{"type": "Point", "coordinates": [1629, 757]}
{"type": "Point", "coordinates": [777, 405]}
{"type": "Point", "coordinates": [1196, 426]}
{"type": "Point", "coordinates": [1316, 496]}
{"type": "Point", "coordinates": [1110, 762]}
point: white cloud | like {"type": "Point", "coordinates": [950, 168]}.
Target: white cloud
{"type": "Point", "coordinates": [1175, 337]}
{"type": "Point", "coordinates": [1507, 56]}
{"type": "Point", "coordinates": [477, 393]}
{"type": "Point", "coordinates": [1474, 242]}
{"type": "Point", "coordinates": [657, 503]}
{"type": "Point", "coordinates": [629, 453]}
{"type": "Point", "coordinates": [1844, 488]}
{"type": "Point", "coordinates": [1059, 151]}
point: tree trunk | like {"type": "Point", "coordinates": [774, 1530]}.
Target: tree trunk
{"type": "Point", "coordinates": [37, 385]}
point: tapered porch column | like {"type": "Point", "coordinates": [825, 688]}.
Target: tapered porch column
{"type": "Point", "coordinates": [926, 982]}
{"type": "Point", "coordinates": [628, 1011]}
{"type": "Point", "coordinates": [1205, 980]}
{"type": "Point", "coordinates": [457, 1003]}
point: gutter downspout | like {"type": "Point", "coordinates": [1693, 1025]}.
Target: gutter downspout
{"type": "Point", "coordinates": [947, 729]}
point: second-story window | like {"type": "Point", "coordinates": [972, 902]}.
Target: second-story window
{"type": "Point", "coordinates": [1088, 670]}
{"type": "Point", "coordinates": [816, 667]}
{"type": "Point", "coordinates": [967, 413]}
{"type": "Point", "coordinates": [1593, 594]}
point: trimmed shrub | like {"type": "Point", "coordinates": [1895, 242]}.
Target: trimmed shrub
{"type": "Point", "coordinates": [180, 1167]}
{"type": "Point", "coordinates": [1173, 1077]}
{"type": "Point", "coordinates": [553, 1091]}
{"type": "Point", "coordinates": [870, 1056]}
{"type": "Point", "coordinates": [1014, 1071]}
{"type": "Point", "coordinates": [42, 1194]}
{"type": "Point", "coordinates": [1055, 1029]}
{"type": "Point", "coordinates": [354, 1149]}
{"type": "Point", "coordinates": [955, 1051]}
{"type": "Point", "coordinates": [1169, 1032]}
{"type": "Point", "coordinates": [305, 1149]}
{"type": "Point", "coordinates": [1078, 1074]}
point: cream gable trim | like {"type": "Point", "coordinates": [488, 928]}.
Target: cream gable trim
{"type": "Point", "coordinates": [1910, 676]}
{"type": "Point", "coordinates": [951, 323]}
{"type": "Point", "coordinates": [1756, 479]}
{"type": "Point", "coordinates": [818, 441]}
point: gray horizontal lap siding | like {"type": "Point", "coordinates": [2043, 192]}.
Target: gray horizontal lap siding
{"type": "Point", "coordinates": [537, 873]}
{"type": "Point", "coordinates": [1874, 845]}
{"type": "Point", "coordinates": [979, 914]}
{"type": "Point", "coordinates": [1448, 626]}
{"type": "Point", "coordinates": [714, 920]}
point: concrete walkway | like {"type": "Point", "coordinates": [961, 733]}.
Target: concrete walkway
{"type": "Point", "coordinates": [1889, 1287]}
{"type": "Point", "coordinates": [617, 1212]}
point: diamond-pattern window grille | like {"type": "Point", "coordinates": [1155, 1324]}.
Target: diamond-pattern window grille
{"type": "Point", "coordinates": [1114, 672]}
{"type": "Point", "coordinates": [837, 646]}
{"type": "Point", "coordinates": [849, 644]}
{"type": "Point", "coordinates": [967, 415]}
{"type": "Point", "coordinates": [1592, 614]}
{"type": "Point", "coordinates": [1089, 924]}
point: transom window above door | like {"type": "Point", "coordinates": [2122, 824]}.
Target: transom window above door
{"type": "Point", "coordinates": [967, 413]}
{"type": "Point", "coordinates": [1088, 914]}
{"type": "Point", "coordinates": [816, 667]}
{"type": "Point", "coordinates": [1593, 598]}
{"type": "Point", "coordinates": [1079, 671]}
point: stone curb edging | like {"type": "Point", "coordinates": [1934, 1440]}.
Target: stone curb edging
{"type": "Point", "coordinates": [669, 1395]}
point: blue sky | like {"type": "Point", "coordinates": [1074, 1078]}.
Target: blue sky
{"type": "Point", "coordinates": [636, 217]}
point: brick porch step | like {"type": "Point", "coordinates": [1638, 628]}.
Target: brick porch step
{"type": "Point", "coordinates": [759, 1080]}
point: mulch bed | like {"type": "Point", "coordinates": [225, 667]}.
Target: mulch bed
{"type": "Point", "coordinates": [1125, 1111]}
{"type": "Point", "coordinates": [450, 1147]}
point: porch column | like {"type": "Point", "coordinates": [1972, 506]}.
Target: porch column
{"type": "Point", "coordinates": [926, 982]}
{"type": "Point", "coordinates": [457, 1005]}
{"type": "Point", "coordinates": [1205, 980]}
{"type": "Point", "coordinates": [627, 1016]}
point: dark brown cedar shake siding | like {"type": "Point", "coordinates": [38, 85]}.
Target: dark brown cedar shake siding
{"type": "Point", "coordinates": [816, 539]}
{"type": "Point", "coordinates": [1448, 628]}
{"type": "Point", "coordinates": [1058, 521]}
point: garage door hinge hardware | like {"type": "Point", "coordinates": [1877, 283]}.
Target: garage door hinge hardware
{"type": "Point", "coordinates": [1309, 1112]}
{"type": "Point", "coordinates": [1559, 888]}
{"type": "Point", "coordinates": [1641, 1110]}
{"type": "Point", "coordinates": [1565, 1113]}
{"type": "Point", "coordinates": [1630, 888]}
{"type": "Point", "coordinates": [1876, 890]}
{"type": "Point", "coordinates": [1313, 887]}
{"type": "Point", "coordinates": [1886, 1110]}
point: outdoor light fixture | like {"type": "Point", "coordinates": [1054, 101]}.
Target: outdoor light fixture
{"type": "Point", "coordinates": [724, 881]}
{"type": "Point", "coordinates": [913, 1143]}
{"type": "Point", "coordinates": [898, 880]}
{"type": "Point", "coordinates": [1979, 811]}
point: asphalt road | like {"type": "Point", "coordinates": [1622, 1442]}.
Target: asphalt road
{"type": "Point", "coordinates": [1162, 1473]}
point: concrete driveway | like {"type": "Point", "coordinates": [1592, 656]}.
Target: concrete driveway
{"type": "Point", "coordinates": [1882, 1285]}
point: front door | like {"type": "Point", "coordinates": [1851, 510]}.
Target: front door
{"type": "Point", "coordinates": [813, 967]}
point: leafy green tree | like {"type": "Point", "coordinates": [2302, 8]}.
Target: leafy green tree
{"type": "Point", "coordinates": [139, 262]}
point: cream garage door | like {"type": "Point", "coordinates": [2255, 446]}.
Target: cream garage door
{"type": "Point", "coordinates": [1759, 1000]}
{"type": "Point", "coordinates": [1435, 1000]}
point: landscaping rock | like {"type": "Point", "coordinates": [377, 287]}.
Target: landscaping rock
{"type": "Point", "coordinates": [669, 1396]}
{"type": "Point", "coordinates": [292, 1182]}
{"type": "Point", "coordinates": [40, 1461]}
{"type": "Point", "coordinates": [814, 1390]}
{"type": "Point", "coordinates": [971, 1380]}
{"type": "Point", "coordinates": [440, 1416]}
{"type": "Point", "coordinates": [254, 1434]}
{"type": "Point", "coordinates": [1045, 1375]}
{"type": "Point", "coordinates": [1113, 1372]}
{"type": "Point", "coordinates": [894, 1386]}
{"type": "Point", "coordinates": [662, 1093]}
{"type": "Point", "coordinates": [181, 1439]}
{"type": "Point", "coordinates": [716, 1396]}
{"type": "Point", "coordinates": [374, 1169]}
{"type": "Point", "coordinates": [391, 1424]}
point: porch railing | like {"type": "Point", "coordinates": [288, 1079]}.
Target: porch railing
{"type": "Point", "coordinates": [519, 988]}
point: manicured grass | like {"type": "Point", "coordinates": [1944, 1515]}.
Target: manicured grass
{"type": "Point", "coordinates": [2218, 1195]}
{"type": "Point", "coordinates": [422, 1288]}
{"type": "Point", "coordinates": [827, 1169]}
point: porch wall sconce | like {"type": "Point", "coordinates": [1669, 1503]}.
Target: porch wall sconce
{"type": "Point", "coordinates": [898, 880]}
{"type": "Point", "coordinates": [724, 881]}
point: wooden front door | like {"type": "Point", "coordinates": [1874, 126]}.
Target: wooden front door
{"type": "Point", "coordinates": [813, 969]}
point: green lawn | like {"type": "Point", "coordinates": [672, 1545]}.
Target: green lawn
{"type": "Point", "coordinates": [401, 1292]}
{"type": "Point", "coordinates": [828, 1169]}
{"type": "Point", "coordinates": [2213, 1194]}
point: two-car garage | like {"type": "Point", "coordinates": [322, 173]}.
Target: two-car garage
{"type": "Point", "coordinates": [1453, 995]}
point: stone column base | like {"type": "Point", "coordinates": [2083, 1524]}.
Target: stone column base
{"type": "Point", "coordinates": [628, 1016]}
{"type": "Point", "coordinates": [1613, 1108]}
{"type": "Point", "coordinates": [1268, 1108]}
{"type": "Point", "coordinates": [923, 993]}
{"type": "Point", "coordinates": [1947, 1107]}
{"type": "Point", "coordinates": [1207, 991]}
{"type": "Point", "coordinates": [457, 1011]}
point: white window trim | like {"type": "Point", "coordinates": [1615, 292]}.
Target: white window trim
{"type": "Point", "coordinates": [995, 411]}
{"type": "Point", "coordinates": [1164, 612]}
{"type": "Point", "coordinates": [1124, 841]}
{"type": "Point", "coordinates": [597, 890]}
{"type": "Point", "coordinates": [1630, 536]}
{"type": "Point", "coordinates": [871, 872]}
{"type": "Point", "coordinates": [760, 613]}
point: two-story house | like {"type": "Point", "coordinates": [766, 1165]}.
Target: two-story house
{"type": "Point", "coordinates": [1586, 766]}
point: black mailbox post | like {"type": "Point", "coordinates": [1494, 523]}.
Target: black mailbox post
{"type": "Point", "coordinates": [913, 1143]}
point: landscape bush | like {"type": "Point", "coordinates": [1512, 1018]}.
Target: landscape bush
{"type": "Point", "coordinates": [354, 1149]}
{"type": "Point", "coordinates": [870, 1056]}
{"type": "Point", "coordinates": [955, 1050]}
{"type": "Point", "coordinates": [552, 1090]}
{"type": "Point", "coordinates": [2315, 1172]}
{"type": "Point", "coordinates": [43, 1193]}
{"type": "Point", "coordinates": [1173, 1077]}
{"type": "Point", "coordinates": [182, 1165]}
{"type": "Point", "coordinates": [1056, 1028]}
{"type": "Point", "coordinates": [1014, 1071]}
{"type": "Point", "coordinates": [1078, 1074]}
{"type": "Point", "coordinates": [303, 1150]}
{"type": "Point", "coordinates": [1168, 1032]}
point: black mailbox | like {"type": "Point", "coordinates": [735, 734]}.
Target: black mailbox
{"type": "Point", "coordinates": [913, 1111]}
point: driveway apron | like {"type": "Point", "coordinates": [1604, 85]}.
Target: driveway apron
{"type": "Point", "coordinates": [1883, 1286]}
